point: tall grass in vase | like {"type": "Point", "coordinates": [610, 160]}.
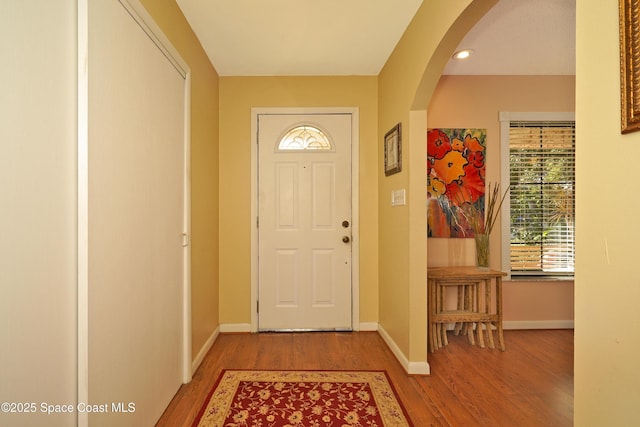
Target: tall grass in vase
{"type": "Point", "coordinates": [482, 221]}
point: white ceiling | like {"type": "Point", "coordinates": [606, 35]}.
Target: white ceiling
{"type": "Point", "coordinates": [355, 37]}
{"type": "Point", "coordinates": [298, 37]}
{"type": "Point", "coordinates": [522, 37]}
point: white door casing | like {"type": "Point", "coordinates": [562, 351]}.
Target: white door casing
{"type": "Point", "coordinates": [306, 228]}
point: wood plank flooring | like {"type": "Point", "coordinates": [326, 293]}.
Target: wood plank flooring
{"type": "Point", "coordinates": [530, 384]}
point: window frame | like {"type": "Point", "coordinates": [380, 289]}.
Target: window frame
{"type": "Point", "coordinates": [505, 119]}
{"type": "Point", "coordinates": [306, 148]}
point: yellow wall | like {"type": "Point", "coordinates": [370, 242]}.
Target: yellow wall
{"type": "Point", "coordinates": [405, 86]}
{"type": "Point", "coordinates": [237, 96]}
{"type": "Point", "coordinates": [607, 343]}
{"type": "Point", "coordinates": [475, 101]}
{"type": "Point", "coordinates": [204, 169]}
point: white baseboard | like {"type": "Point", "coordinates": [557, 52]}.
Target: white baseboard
{"type": "Point", "coordinates": [412, 368]}
{"type": "Point", "coordinates": [204, 350]}
{"type": "Point", "coordinates": [368, 326]}
{"type": "Point", "coordinates": [235, 327]}
{"type": "Point", "coordinates": [538, 324]}
{"type": "Point", "coordinates": [246, 327]}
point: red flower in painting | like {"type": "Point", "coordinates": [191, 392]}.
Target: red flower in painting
{"type": "Point", "coordinates": [472, 143]}
{"type": "Point", "coordinates": [468, 189]}
{"type": "Point", "coordinates": [476, 158]}
{"type": "Point", "coordinates": [455, 194]}
{"type": "Point", "coordinates": [438, 143]}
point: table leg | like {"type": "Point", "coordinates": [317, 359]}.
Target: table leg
{"type": "Point", "coordinates": [468, 306]}
{"type": "Point", "coordinates": [499, 312]}
{"type": "Point", "coordinates": [445, 341]}
{"type": "Point", "coordinates": [470, 333]}
{"type": "Point", "coordinates": [434, 337]}
{"type": "Point", "coordinates": [488, 310]}
{"type": "Point", "coordinates": [461, 306]}
{"type": "Point", "coordinates": [490, 334]}
{"type": "Point", "coordinates": [432, 305]}
{"type": "Point", "coordinates": [472, 305]}
{"type": "Point", "coordinates": [480, 336]}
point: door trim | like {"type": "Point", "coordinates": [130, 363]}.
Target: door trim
{"type": "Point", "coordinates": [355, 203]}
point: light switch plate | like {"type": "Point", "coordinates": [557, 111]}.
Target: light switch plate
{"type": "Point", "coordinates": [398, 197]}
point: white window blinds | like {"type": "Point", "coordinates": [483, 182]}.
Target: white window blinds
{"type": "Point", "coordinates": [542, 207]}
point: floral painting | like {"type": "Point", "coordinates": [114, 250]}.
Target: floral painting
{"type": "Point", "coordinates": [455, 176]}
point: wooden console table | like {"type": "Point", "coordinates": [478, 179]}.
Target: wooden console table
{"type": "Point", "coordinates": [474, 305]}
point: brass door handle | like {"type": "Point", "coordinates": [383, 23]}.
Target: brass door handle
{"type": "Point", "coordinates": [346, 239]}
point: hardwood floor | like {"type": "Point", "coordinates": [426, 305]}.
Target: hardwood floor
{"type": "Point", "coordinates": [530, 384]}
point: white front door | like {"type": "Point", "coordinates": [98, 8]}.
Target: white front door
{"type": "Point", "coordinates": [304, 232]}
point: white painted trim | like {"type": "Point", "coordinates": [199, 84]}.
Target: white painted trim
{"type": "Point", "coordinates": [236, 328]}
{"type": "Point", "coordinates": [355, 202]}
{"type": "Point", "coordinates": [253, 219]}
{"type": "Point", "coordinates": [355, 218]}
{"type": "Point", "coordinates": [537, 116]}
{"type": "Point", "coordinates": [368, 326]}
{"type": "Point", "coordinates": [412, 368]}
{"type": "Point", "coordinates": [538, 324]}
{"type": "Point", "coordinates": [187, 364]}
{"type": "Point", "coordinates": [155, 33]}
{"type": "Point", "coordinates": [419, 368]}
{"type": "Point", "coordinates": [186, 289]}
{"type": "Point", "coordinates": [204, 350]}
{"type": "Point", "coordinates": [505, 215]}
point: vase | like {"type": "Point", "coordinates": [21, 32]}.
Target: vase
{"type": "Point", "coordinates": [482, 250]}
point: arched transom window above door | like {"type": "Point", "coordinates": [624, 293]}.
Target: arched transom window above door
{"type": "Point", "coordinates": [305, 138]}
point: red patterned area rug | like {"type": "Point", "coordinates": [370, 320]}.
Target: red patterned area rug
{"type": "Point", "coordinates": [302, 399]}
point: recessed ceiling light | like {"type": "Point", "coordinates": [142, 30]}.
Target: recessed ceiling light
{"type": "Point", "coordinates": [462, 54]}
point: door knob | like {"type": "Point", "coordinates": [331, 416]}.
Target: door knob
{"type": "Point", "coordinates": [345, 223]}
{"type": "Point", "coordinates": [346, 239]}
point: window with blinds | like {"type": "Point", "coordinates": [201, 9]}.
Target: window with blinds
{"type": "Point", "coordinates": [542, 203]}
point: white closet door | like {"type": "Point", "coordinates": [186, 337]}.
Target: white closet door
{"type": "Point", "coordinates": [136, 221]}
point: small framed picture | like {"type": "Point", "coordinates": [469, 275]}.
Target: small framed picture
{"type": "Point", "coordinates": [393, 150]}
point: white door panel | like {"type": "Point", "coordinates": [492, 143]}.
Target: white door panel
{"type": "Point", "coordinates": [304, 197]}
{"type": "Point", "coordinates": [136, 220]}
